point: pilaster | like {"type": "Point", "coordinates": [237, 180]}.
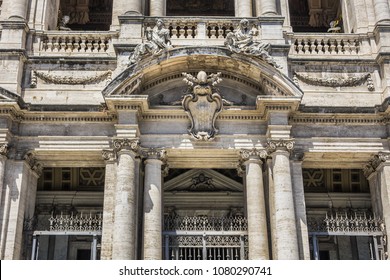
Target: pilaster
{"type": "Point", "coordinates": [300, 205]}
{"type": "Point", "coordinates": [110, 159]}
{"type": "Point", "coordinates": [377, 171]}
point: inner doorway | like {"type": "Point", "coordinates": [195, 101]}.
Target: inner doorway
{"type": "Point", "coordinates": [204, 215]}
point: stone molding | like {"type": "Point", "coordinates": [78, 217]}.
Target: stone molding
{"type": "Point", "coordinates": [373, 164]}
{"type": "Point", "coordinates": [32, 161]}
{"type": "Point", "coordinates": [281, 144]}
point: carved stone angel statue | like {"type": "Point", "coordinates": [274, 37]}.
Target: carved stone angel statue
{"type": "Point", "coordinates": [157, 40]}
{"type": "Point", "coordinates": [241, 41]}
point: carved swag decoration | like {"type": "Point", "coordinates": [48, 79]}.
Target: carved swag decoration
{"type": "Point", "coordinates": [203, 104]}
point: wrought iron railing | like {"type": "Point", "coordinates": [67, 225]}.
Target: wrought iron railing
{"type": "Point", "coordinates": [352, 222]}
{"type": "Point", "coordinates": [78, 222]}
{"type": "Point", "coordinates": [203, 223]}
{"type": "Point", "coordinates": [205, 238]}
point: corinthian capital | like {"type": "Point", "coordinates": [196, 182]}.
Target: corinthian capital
{"type": "Point", "coordinates": [374, 163]}
{"type": "Point", "coordinates": [31, 160]}
{"type": "Point", "coordinates": [281, 144]}
{"type": "Point", "coordinates": [109, 155]}
{"type": "Point", "coordinates": [246, 154]}
{"type": "Point", "coordinates": [129, 144]}
{"type": "Point", "coordinates": [153, 153]}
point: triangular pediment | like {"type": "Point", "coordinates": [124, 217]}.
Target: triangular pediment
{"type": "Point", "coordinates": [202, 180]}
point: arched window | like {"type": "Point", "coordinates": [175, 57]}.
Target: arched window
{"type": "Point", "coordinates": [200, 8]}
{"type": "Point", "coordinates": [316, 16]}
{"type": "Point", "coordinates": [87, 14]}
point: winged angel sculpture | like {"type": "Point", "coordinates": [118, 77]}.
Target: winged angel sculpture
{"type": "Point", "coordinates": [203, 104]}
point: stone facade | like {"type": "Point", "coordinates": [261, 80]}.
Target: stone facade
{"type": "Point", "coordinates": [274, 146]}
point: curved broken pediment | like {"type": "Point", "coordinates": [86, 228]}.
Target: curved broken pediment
{"type": "Point", "coordinates": [159, 78]}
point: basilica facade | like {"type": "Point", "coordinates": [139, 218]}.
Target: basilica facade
{"type": "Point", "coordinates": [194, 130]}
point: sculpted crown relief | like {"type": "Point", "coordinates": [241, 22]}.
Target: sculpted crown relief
{"type": "Point", "coordinates": [203, 104]}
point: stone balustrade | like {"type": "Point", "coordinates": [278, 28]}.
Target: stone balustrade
{"type": "Point", "coordinates": [197, 28]}
{"type": "Point", "coordinates": [329, 44]}
{"type": "Point", "coordinates": [54, 42]}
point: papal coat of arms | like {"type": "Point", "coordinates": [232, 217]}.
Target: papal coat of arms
{"type": "Point", "coordinates": [203, 104]}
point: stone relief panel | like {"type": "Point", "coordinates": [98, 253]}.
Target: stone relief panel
{"type": "Point", "coordinates": [202, 104]}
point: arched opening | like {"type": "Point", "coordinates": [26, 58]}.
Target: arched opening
{"type": "Point", "coordinates": [200, 8]}
{"type": "Point", "coordinates": [316, 16]}
{"type": "Point", "coordinates": [92, 15]}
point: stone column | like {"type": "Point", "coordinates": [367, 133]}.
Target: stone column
{"type": "Point", "coordinates": [243, 8]}
{"type": "Point", "coordinates": [109, 203]}
{"type": "Point", "coordinates": [284, 230]}
{"type": "Point", "coordinates": [378, 173]}
{"type": "Point", "coordinates": [16, 203]}
{"type": "Point", "coordinates": [257, 218]}
{"type": "Point", "coordinates": [300, 206]}
{"type": "Point", "coordinates": [157, 8]}
{"type": "Point", "coordinates": [382, 11]}
{"type": "Point", "coordinates": [121, 7]}
{"type": "Point", "coordinates": [16, 9]}
{"type": "Point", "coordinates": [152, 232]}
{"type": "Point", "coordinates": [123, 245]}
{"type": "Point", "coordinates": [265, 7]}
{"type": "Point", "coordinates": [3, 159]}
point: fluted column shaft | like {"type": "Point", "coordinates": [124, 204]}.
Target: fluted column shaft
{"type": "Point", "coordinates": [285, 230]}
{"type": "Point", "coordinates": [152, 232]}
{"type": "Point", "coordinates": [124, 223]}
{"type": "Point", "coordinates": [257, 219]}
{"type": "Point", "coordinates": [243, 8]}
{"type": "Point", "coordinates": [382, 11]}
{"type": "Point", "coordinates": [265, 7]}
{"type": "Point", "coordinates": [157, 8]}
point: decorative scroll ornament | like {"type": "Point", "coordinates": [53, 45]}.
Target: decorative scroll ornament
{"type": "Point", "coordinates": [202, 183]}
{"type": "Point", "coordinates": [337, 81]}
{"type": "Point", "coordinates": [69, 80]}
{"type": "Point", "coordinates": [241, 41]}
{"type": "Point", "coordinates": [281, 144]}
{"type": "Point", "coordinates": [374, 163]}
{"type": "Point", "coordinates": [160, 154]}
{"type": "Point", "coordinates": [202, 105]}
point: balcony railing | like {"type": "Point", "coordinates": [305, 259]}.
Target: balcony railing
{"type": "Point", "coordinates": [75, 43]}
{"type": "Point", "coordinates": [329, 44]}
